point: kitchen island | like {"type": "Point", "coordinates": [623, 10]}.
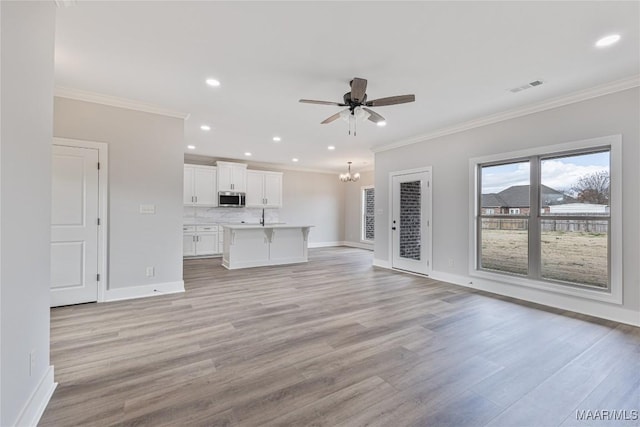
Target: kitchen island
{"type": "Point", "coordinates": [255, 245]}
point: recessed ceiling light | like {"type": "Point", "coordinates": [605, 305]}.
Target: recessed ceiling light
{"type": "Point", "coordinates": [331, 147]}
{"type": "Point", "coordinates": [608, 40]}
{"type": "Point", "coordinates": [191, 147]}
{"type": "Point", "coordinates": [213, 82]}
{"type": "Point", "coordinates": [277, 139]}
{"type": "Point", "coordinates": [205, 127]}
{"type": "Point", "coordinates": [382, 123]}
{"type": "Point", "coordinates": [247, 154]}
{"type": "Point", "coordinates": [294, 159]}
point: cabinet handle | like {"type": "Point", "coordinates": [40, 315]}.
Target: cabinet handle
{"type": "Point", "coordinates": [196, 199]}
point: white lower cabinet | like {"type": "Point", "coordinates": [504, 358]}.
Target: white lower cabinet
{"type": "Point", "coordinates": [189, 244]}
{"type": "Point", "coordinates": [201, 240]}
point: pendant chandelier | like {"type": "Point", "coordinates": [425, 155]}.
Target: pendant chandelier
{"type": "Point", "coordinates": [348, 177]}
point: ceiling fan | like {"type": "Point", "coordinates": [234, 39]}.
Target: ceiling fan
{"type": "Point", "coordinates": [356, 103]}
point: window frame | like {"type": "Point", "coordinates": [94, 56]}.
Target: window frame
{"type": "Point", "coordinates": [363, 213]}
{"type": "Point", "coordinates": [613, 143]}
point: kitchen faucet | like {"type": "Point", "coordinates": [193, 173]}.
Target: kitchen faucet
{"type": "Point", "coordinates": [262, 219]}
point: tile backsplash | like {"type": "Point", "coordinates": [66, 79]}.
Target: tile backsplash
{"type": "Point", "coordinates": [200, 215]}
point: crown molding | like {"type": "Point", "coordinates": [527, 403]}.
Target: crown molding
{"type": "Point", "coordinates": [202, 159]}
{"type": "Point", "coordinates": [113, 101]}
{"type": "Point", "coordinates": [572, 98]}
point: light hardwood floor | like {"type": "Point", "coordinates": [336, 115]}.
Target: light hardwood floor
{"type": "Point", "coordinates": [335, 342]}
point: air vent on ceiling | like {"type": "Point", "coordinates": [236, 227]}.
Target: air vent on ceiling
{"type": "Point", "coordinates": [527, 86]}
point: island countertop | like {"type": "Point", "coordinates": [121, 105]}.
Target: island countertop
{"type": "Point", "coordinates": [257, 226]}
{"type": "Point", "coordinates": [252, 245]}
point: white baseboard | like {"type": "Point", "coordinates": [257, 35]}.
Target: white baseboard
{"type": "Point", "coordinates": [360, 245]}
{"type": "Point", "coordinates": [37, 403]}
{"type": "Point", "coordinates": [382, 263]}
{"type": "Point", "coordinates": [142, 291]}
{"type": "Point", "coordinates": [325, 244]}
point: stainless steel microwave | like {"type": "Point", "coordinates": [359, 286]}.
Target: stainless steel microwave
{"type": "Point", "coordinates": [229, 199]}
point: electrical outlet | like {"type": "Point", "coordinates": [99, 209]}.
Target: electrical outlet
{"type": "Point", "coordinates": [450, 262]}
{"type": "Point", "coordinates": [151, 271]}
{"type": "Point", "coordinates": [32, 362]}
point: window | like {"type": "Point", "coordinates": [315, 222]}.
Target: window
{"type": "Point", "coordinates": [504, 242]}
{"type": "Point", "coordinates": [368, 214]}
{"type": "Point", "coordinates": [557, 229]}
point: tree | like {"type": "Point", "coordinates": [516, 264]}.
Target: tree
{"type": "Point", "coordinates": [593, 188]}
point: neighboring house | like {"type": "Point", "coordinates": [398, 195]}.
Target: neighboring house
{"type": "Point", "coordinates": [579, 208]}
{"type": "Point", "coordinates": [515, 200]}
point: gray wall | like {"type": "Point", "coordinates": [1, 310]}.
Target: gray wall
{"type": "Point", "coordinates": [316, 199]}
{"type": "Point", "coordinates": [25, 200]}
{"type": "Point", "coordinates": [353, 209]}
{"type": "Point", "coordinates": [145, 167]}
{"type": "Point", "coordinates": [449, 155]}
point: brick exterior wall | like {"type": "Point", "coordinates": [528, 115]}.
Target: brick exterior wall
{"type": "Point", "coordinates": [410, 217]}
{"type": "Point", "coordinates": [369, 213]}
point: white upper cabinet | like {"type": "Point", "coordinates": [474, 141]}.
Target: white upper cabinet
{"type": "Point", "coordinates": [200, 186]}
{"type": "Point", "coordinates": [187, 194]}
{"type": "Point", "coordinates": [273, 189]}
{"type": "Point", "coordinates": [264, 189]}
{"type": "Point", "coordinates": [255, 192]}
{"type": "Point", "coordinates": [232, 177]}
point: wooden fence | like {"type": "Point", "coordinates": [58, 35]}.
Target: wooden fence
{"type": "Point", "coordinates": [562, 225]}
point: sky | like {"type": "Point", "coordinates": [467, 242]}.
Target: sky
{"type": "Point", "coordinates": [559, 173]}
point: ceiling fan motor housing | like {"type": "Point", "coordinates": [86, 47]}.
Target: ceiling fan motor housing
{"type": "Point", "coordinates": [352, 104]}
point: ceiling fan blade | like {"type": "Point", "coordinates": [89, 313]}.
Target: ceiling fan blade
{"type": "Point", "coordinates": [311, 101]}
{"type": "Point", "coordinates": [374, 117]}
{"type": "Point", "coordinates": [336, 116]}
{"type": "Point", "coordinates": [358, 89]}
{"type": "Point", "coordinates": [392, 100]}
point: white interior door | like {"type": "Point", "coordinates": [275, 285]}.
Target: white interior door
{"type": "Point", "coordinates": [411, 222]}
{"type": "Point", "coordinates": [74, 225]}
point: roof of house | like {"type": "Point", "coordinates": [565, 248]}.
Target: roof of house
{"type": "Point", "coordinates": [492, 200]}
{"type": "Point", "coordinates": [517, 196]}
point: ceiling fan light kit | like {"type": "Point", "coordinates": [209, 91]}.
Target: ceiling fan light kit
{"type": "Point", "coordinates": [349, 177]}
{"type": "Point", "coordinates": [356, 103]}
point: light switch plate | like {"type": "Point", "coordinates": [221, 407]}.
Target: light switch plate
{"type": "Point", "coordinates": [148, 209]}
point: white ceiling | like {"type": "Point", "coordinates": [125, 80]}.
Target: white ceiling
{"type": "Point", "coordinates": [459, 58]}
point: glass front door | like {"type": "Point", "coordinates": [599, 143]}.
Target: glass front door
{"type": "Point", "coordinates": [411, 222]}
